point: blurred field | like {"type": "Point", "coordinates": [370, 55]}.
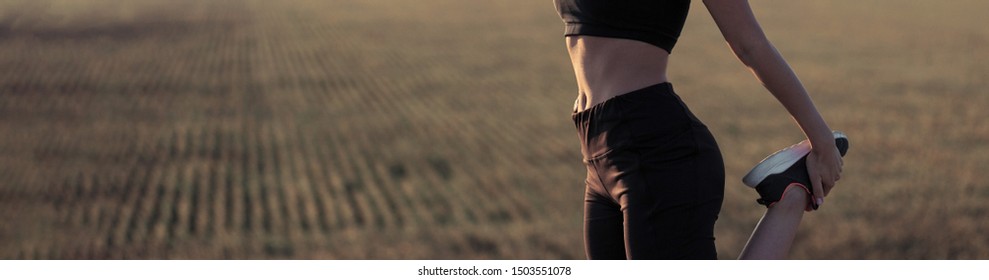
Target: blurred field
{"type": "Point", "coordinates": [439, 129]}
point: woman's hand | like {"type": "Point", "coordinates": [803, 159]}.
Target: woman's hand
{"type": "Point", "coordinates": [824, 167]}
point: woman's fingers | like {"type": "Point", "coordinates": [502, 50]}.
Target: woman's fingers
{"type": "Point", "coordinates": [835, 172]}
{"type": "Point", "coordinates": [827, 183]}
{"type": "Point", "coordinates": [824, 170]}
{"type": "Point", "coordinates": [816, 186]}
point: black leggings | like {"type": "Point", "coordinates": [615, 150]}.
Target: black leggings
{"type": "Point", "coordinates": [655, 178]}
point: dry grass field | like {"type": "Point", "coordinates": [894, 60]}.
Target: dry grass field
{"type": "Point", "coordinates": [439, 129]}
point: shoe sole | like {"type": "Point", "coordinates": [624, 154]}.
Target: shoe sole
{"type": "Point", "coordinates": [780, 161]}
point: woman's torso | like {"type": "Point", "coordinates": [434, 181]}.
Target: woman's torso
{"type": "Point", "coordinates": [608, 67]}
{"type": "Point", "coordinates": [618, 46]}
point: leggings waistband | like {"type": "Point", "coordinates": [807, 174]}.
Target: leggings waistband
{"type": "Point", "coordinates": [610, 106]}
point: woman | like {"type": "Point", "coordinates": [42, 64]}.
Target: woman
{"type": "Point", "coordinates": [655, 177]}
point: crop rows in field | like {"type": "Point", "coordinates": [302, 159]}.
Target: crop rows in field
{"type": "Point", "coordinates": [204, 183]}
{"type": "Point", "coordinates": [246, 134]}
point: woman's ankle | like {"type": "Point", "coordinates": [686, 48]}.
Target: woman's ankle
{"type": "Point", "coordinates": [795, 197]}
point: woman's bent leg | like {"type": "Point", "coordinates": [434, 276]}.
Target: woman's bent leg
{"type": "Point", "coordinates": [774, 234]}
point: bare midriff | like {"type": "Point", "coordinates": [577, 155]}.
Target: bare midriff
{"type": "Point", "coordinates": [609, 67]}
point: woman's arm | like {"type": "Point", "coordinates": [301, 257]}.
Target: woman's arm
{"type": "Point", "coordinates": [746, 39]}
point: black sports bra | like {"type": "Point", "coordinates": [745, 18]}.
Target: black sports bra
{"type": "Point", "coordinates": [657, 22]}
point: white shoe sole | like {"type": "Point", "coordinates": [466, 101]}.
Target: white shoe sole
{"type": "Point", "coordinates": [779, 161]}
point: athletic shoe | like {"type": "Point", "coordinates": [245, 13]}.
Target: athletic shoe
{"type": "Point", "coordinates": [784, 169]}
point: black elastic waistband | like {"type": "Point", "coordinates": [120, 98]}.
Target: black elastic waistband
{"type": "Point", "coordinates": [608, 106]}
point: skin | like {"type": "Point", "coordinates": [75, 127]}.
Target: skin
{"type": "Point", "coordinates": [608, 67]}
{"type": "Point", "coordinates": [773, 235]}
